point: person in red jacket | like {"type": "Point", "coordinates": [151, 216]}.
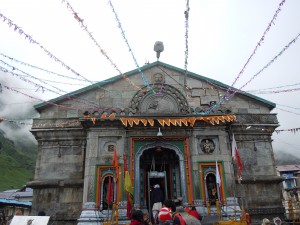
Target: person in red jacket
{"type": "Point", "coordinates": [193, 212]}
{"type": "Point", "coordinates": [137, 218]}
{"type": "Point", "coordinates": [176, 216]}
{"type": "Point", "coordinates": [165, 213]}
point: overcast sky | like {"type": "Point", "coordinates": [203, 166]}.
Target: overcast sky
{"type": "Point", "coordinates": [222, 38]}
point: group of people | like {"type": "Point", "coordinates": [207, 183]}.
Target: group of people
{"type": "Point", "coordinates": [169, 214]}
{"type": "Point", "coordinates": [165, 212]}
{"type": "Point", "coordinates": [276, 220]}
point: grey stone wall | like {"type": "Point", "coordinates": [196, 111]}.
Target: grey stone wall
{"type": "Point", "coordinates": [120, 93]}
{"type": "Point", "coordinates": [58, 181]}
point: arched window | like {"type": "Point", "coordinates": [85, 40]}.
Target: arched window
{"type": "Point", "coordinates": [211, 188]}
{"type": "Point", "coordinates": [108, 193]}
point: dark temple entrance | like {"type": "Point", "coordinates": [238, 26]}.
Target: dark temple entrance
{"type": "Point", "coordinates": [159, 166]}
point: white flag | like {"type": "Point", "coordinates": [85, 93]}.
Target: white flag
{"type": "Point", "coordinates": [233, 148]}
{"type": "Point", "coordinates": [218, 178]}
{"type": "Point", "coordinates": [236, 158]}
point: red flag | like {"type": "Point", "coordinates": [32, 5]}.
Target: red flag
{"type": "Point", "coordinates": [115, 163]}
{"type": "Point", "coordinates": [129, 206]}
{"type": "Point", "coordinates": [240, 165]}
{"type": "Point", "coordinates": [115, 158]}
{"type": "Point", "coordinates": [109, 191]}
{"type": "Point", "coordinates": [125, 164]}
{"type": "Point", "coordinates": [236, 157]}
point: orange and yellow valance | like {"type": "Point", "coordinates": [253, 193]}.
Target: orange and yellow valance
{"type": "Point", "coordinates": [177, 121]}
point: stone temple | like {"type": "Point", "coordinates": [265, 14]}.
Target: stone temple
{"type": "Point", "coordinates": [174, 128]}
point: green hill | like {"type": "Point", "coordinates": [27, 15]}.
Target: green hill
{"type": "Point", "coordinates": [17, 163]}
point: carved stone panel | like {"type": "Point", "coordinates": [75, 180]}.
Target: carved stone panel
{"type": "Point", "coordinates": [160, 103]}
{"type": "Point", "coordinates": [207, 146]}
{"type": "Point", "coordinates": [158, 78]}
{"type": "Point", "coordinates": [163, 99]}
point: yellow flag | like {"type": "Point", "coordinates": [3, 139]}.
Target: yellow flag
{"type": "Point", "coordinates": [128, 184]}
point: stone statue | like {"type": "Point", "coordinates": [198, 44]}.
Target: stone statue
{"type": "Point", "coordinates": [207, 146]}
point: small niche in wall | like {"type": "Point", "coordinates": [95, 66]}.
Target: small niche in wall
{"type": "Point", "coordinates": [110, 148]}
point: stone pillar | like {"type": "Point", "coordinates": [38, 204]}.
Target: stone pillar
{"type": "Point", "coordinates": [58, 181]}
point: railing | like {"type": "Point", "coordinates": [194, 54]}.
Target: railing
{"type": "Point", "coordinates": [292, 210]}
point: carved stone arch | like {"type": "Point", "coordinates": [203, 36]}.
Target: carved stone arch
{"type": "Point", "coordinates": [137, 168]}
{"type": "Point", "coordinates": [165, 99]}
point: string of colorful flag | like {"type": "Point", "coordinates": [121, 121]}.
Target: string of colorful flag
{"type": "Point", "coordinates": [102, 51]}
{"type": "Point", "coordinates": [21, 32]}
{"type": "Point", "coordinates": [36, 42]}
{"type": "Point", "coordinates": [288, 111]}
{"type": "Point", "coordinates": [186, 36]}
{"type": "Point", "coordinates": [47, 102]}
{"type": "Point", "coordinates": [130, 49]}
{"type": "Point", "coordinates": [271, 61]}
{"type": "Point", "coordinates": [31, 40]}
{"type": "Point", "coordinates": [263, 89]}
{"type": "Point", "coordinates": [276, 91]}
{"type": "Point", "coordinates": [84, 101]}
{"type": "Point", "coordinates": [10, 23]}
{"type": "Point", "coordinates": [287, 106]}
{"type": "Point", "coordinates": [261, 41]}
{"type": "Point", "coordinates": [18, 29]}
{"type": "Point", "coordinates": [42, 81]}
{"type": "Point", "coordinates": [234, 91]}
{"type": "Point", "coordinates": [22, 77]}
{"type": "Point", "coordinates": [39, 68]}
{"type": "Point", "coordinates": [60, 75]}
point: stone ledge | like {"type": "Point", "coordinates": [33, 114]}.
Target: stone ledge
{"type": "Point", "coordinates": [261, 179]}
{"type": "Point", "coordinates": [263, 211]}
{"type": "Point", "coordinates": [38, 184]}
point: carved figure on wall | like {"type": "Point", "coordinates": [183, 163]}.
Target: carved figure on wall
{"type": "Point", "coordinates": [153, 105]}
{"type": "Point", "coordinates": [207, 146]}
{"type": "Point", "coordinates": [158, 78]}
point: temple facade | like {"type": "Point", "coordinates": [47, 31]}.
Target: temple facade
{"type": "Point", "coordinates": [166, 126]}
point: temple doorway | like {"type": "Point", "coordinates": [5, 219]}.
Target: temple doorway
{"type": "Point", "coordinates": [160, 166]}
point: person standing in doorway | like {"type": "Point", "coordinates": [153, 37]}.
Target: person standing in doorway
{"type": "Point", "coordinates": [156, 200]}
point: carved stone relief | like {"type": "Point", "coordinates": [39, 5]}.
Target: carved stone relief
{"type": "Point", "coordinates": [164, 100]}
{"type": "Point", "coordinates": [207, 146]}
{"type": "Point", "coordinates": [158, 78]}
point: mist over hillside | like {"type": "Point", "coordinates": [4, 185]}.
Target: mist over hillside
{"type": "Point", "coordinates": [18, 146]}
{"type": "Point", "coordinates": [17, 163]}
{"type": "Point", "coordinates": [283, 158]}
